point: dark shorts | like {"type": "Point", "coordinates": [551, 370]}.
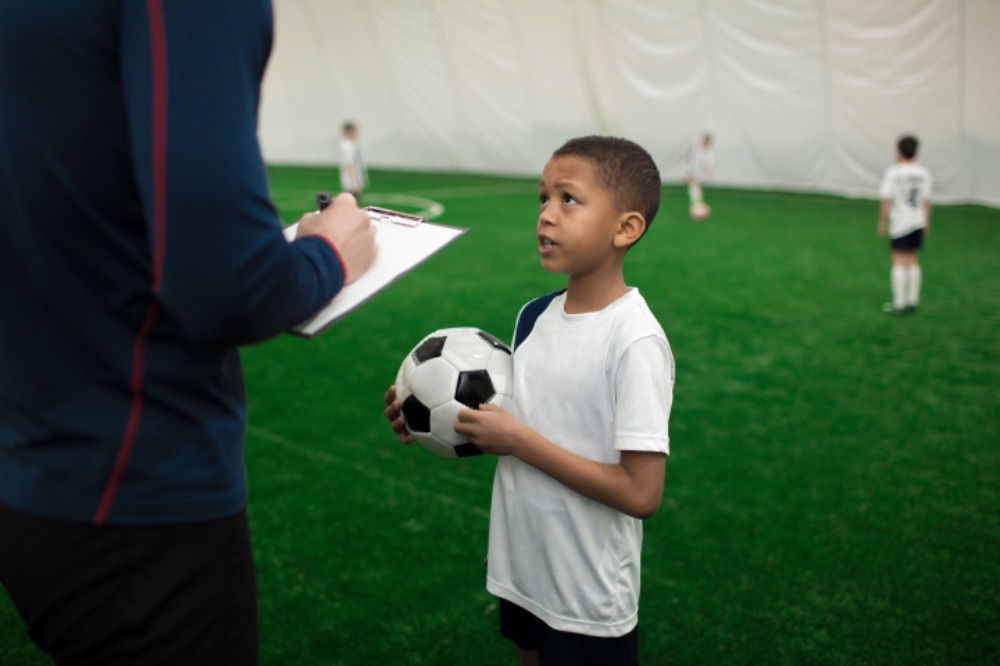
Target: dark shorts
{"type": "Point", "coordinates": [911, 241]}
{"type": "Point", "coordinates": [182, 594]}
{"type": "Point", "coordinates": [561, 648]}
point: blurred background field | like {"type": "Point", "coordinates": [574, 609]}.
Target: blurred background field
{"type": "Point", "coordinates": [833, 493]}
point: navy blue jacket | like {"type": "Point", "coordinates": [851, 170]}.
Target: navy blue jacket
{"type": "Point", "coordinates": [138, 250]}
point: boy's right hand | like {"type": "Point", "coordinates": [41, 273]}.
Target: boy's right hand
{"type": "Point", "coordinates": [349, 229]}
{"type": "Point", "coordinates": [394, 412]}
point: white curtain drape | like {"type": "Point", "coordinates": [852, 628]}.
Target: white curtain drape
{"type": "Point", "coordinates": [799, 94]}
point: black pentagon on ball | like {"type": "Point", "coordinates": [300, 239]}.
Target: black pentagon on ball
{"type": "Point", "coordinates": [428, 349]}
{"type": "Point", "coordinates": [418, 417]}
{"type": "Point", "coordinates": [493, 341]}
{"type": "Point", "coordinates": [468, 450]}
{"type": "Point", "coordinates": [474, 388]}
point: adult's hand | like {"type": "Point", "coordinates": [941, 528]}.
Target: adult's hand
{"type": "Point", "coordinates": [349, 229]}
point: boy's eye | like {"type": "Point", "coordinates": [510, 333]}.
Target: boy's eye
{"type": "Point", "coordinates": [568, 199]}
{"type": "Point", "coordinates": [543, 199]}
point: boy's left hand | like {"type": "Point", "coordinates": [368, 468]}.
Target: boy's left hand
{"type": "Point", "coordinates": [394, 413]}
{"type": "Point", "coordinates": [493, 429]}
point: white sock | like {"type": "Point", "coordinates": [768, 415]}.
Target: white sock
{"type": "Point", "coordinates": [898, 281]}
{"type": "Point", "coordinates": [913, 277]}
{"type": "Point", "coordinates": [694, 192]}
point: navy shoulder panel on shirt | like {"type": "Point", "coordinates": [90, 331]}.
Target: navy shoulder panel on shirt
{"type": "Point", "coordinates": [529, 315]}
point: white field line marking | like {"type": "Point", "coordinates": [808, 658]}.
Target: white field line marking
{"type": "Point", "coordinates": [431, 209]}
{"type": "Point", "coordinates": [427, 201]}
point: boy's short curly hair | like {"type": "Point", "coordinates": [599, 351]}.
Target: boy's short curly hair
{"type": "Point", "coordinates": [624, 168]}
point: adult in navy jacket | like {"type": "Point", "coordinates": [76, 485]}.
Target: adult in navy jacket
{"type": "Point", "coordinates": [138, 250]}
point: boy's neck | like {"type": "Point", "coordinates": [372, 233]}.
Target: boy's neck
{"type": "Point", "coordinates": [583, 296]}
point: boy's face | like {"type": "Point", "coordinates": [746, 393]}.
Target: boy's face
{"type": "Point", "coordinates": [577, 219]}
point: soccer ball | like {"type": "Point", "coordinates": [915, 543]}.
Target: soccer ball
{"type": "Point", "coordinates": [699, 211]}
{"type": "Point", "coordinates": [450, 370]}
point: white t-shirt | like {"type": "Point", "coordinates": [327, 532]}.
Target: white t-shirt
{"type": "Point", "coordinates": [908, 185]}
{"type": "Point", "coordinates": [353, 175]}
{"type": "Point", "coordinates": [595, 384]}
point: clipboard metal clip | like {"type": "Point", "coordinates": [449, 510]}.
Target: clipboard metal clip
{"type": "Point", "coordinates": [394, 216]}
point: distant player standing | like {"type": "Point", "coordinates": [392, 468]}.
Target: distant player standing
{"type": "Point", "coordinates": [697, 166]}
{"type": "Point", "coordinates": [905, 216]}
{"type": "Point", "coordinates": [353, 174]}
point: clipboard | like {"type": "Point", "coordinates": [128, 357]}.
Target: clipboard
{"type": "Point", "coordinates": [404, 242]}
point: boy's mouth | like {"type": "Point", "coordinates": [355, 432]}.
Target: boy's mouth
{"type": "Point", "coordinates": [545, 244]}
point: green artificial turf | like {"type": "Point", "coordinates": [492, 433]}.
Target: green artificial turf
{"type": "Point", "coordinates": [833, 493]}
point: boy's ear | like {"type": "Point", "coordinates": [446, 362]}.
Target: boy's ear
{"type": "Point", "coordinates": [631, 227]}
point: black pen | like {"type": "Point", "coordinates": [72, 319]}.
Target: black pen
{"type": "Point", "coordinates": [323, 199]}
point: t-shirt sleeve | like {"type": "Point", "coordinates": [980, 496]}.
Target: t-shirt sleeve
{"type": "Point", "coordinates": [644, 392]}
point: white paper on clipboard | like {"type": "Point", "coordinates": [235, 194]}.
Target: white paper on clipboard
{"type": "Point", "coordinates": [402, 246]}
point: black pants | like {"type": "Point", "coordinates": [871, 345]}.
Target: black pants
{"type": "Point", "coordinates": [142, 596]}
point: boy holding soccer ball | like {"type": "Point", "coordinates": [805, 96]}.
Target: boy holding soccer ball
{"type": "Point", "coordinates": [583, 451]}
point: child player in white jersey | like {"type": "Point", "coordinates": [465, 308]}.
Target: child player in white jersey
{"type": "Point", "coordinates": [353, 173]}
{"type": "Point", "coordinates": [697, 166]}
{"type": "Point", "coordinates": [582, 454]}
{"type": "Point", "coordinates": [905, 216]}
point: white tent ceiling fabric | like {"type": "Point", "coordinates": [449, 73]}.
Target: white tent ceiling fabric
{"type": "Point", "coordinates": [799, 94]}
